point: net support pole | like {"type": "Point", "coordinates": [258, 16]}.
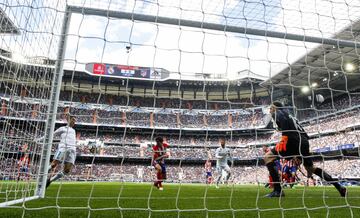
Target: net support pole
{"type": "Point", "coordinates": [18, 201]}
{"type": "Point", "coordinates": [53, 104]}
{"type": "Point", "coordinates": [212, 26]}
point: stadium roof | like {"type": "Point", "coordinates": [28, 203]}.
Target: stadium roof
{"type": "Point", "coordinates": [324, 67]}
{"type": "Point", "coordinates": [6, 25]}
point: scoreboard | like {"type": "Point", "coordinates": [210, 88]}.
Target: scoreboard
{"type": "Point", "coordinates": [122, 71]}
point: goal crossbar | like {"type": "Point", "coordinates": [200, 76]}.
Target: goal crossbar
{"type": "Point", "coordinates": [210, 26]}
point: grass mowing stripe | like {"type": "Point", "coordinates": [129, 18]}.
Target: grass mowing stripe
{"type": "Point", "coordinates": [136, 201]}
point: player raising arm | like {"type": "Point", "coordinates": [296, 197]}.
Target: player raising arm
{"type": "Point", "coordinates": [294, 142]}
{"type": "Point", "coordinates": [160, 153]}
{"type": "Point", "coordinates": [208, 171]}
{"type": "Point", "coordinates": [222, 156]}
{"type": "Point", "coordinates": [66, 151]}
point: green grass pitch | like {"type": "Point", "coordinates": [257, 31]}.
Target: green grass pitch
{"type": "Point", "coordinates": [113, 199]}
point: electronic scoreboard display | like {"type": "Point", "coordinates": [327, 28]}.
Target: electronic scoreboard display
{"type": "Point", "coordinates": [124, 71]}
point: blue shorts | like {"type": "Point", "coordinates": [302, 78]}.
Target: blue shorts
{"type": "Point", "coordinates": [278, 164]}
{"type": "Point", "coordinates": [24, 170]}
{"type": "Point", "coordinates": [286, 169]}
{"type": "Point", "coordinates": [293, 169]}
{"type": "Point", "coordinates": [163, 168]}
{"type": "Point", "coordinates": [162, 165]}
{"type": "Point", "coordinates": [208, 174]}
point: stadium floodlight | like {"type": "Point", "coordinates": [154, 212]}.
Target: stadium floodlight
{"type": "Point", "coordinates": [349, 67]}
{"type": "Point", "coordinates": [305, 89]}
{"type": "Point", "coordinates": [314, 84]}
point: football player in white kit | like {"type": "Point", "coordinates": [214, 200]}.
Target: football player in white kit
{"type": "Point", "coordinates": [222, 156]}
{"type": "Point", "coordinates": [66, 151]}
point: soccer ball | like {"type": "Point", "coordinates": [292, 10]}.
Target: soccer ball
{"type": "Point", "coordinates": [318, 98]}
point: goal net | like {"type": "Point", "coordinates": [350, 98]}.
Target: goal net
{"type": "Point", "coordinates": [29, 38]}
{"type": "Point", "coordinates": [192, 72]}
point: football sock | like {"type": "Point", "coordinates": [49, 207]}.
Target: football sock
{"type": "Point", "coordinates": [57, 176]}
{"type": "Point", "coordinates": [159, 177]}
{"type": "Point", "coordinates": [228, 176]}
{"type": "Point", "coordinates": [218, 180]}
{"type": "Point", "coordinates": [322, 174]}
{"type": "Point", "coordinates": [274, 175]}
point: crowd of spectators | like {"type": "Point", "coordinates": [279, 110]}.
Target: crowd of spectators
{"type": "Point", "coordinates": [177, 174]}
{"type": "Point", "coordinates": [343, 169]}
{"type": "Point", "coordinates": [251, 120]}
{"type": "Point", "coordinates": [333, 141]}
{"type": "Point", "coordinates": [341, 102]}
{"type": "Point", "coordinates": [137, 119]}
{"type": "Point", "coordinates": [192, 121]}
{"type": "Point", "coordinates": [23, 110]}
{"type": "Point", "coordinates": [179, 141]}
{"type": "Point", "coordinates": [175, 152]}
{"type": "Point", "coordinates": [331, 105]}
{"type": "Point", "coordinates": [182, 147]}
{"type": "Point", "coordinates": [218, 121]}
{"type": "Point", "coordinates": [165, 120]}
{"type": "Point", "coordinates": [187, 119]}
{"type": "Point", "coordinates": [191, 147]}
{"type": "Point", "coordinates": [134, 148]}
{"type": "Point", "coordinates": [153, 101]}
{"type": "Point", "coordinates": [333, 123]}
{"type": "Point", "coordinates": [188, 147]}
{"type": "Point", "coordinates": [337, 103]}
{"type": "Point", "coordinates": [250, 152]}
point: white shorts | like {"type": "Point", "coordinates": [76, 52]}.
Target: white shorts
{"type": "Point", "coordinates": [220, 168]}
{"type": "Point", "coordinates": [66, 156]}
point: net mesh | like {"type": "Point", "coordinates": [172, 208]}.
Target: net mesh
{"type": "Point", "coordinates": [29, 34]}
{"type": "Point", "coordinates": [191, 72]}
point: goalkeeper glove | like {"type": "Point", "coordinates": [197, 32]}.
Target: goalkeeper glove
{"type": "Point", "coordinates": [281, 146]}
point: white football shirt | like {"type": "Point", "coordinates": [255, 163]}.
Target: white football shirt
{"type": "Point", "coordinates": [222, 155]}
{"type": "Point", "coordinates": [67, 138]}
